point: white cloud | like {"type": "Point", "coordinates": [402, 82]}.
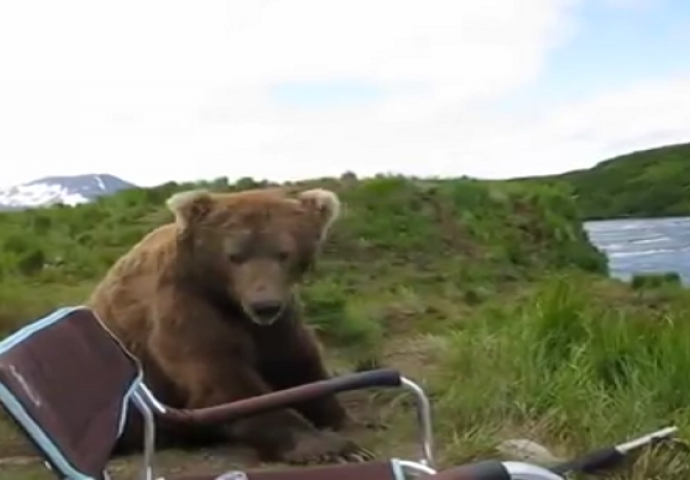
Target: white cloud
{"type": "Point", "coordinates": [579, 134]}
{"type": "Point", "coordinates": [152, 90]}
{"type": "Point", "coordinates": [633, 4]}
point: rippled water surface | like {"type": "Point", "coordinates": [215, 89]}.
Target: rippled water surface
{"type": "Point", "coordinates": [644, 246]}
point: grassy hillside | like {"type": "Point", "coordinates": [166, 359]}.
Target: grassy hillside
{"type": "Point", "coordinates": [488, 293]}
{"type": "Point", "coordinates": [648, 183]}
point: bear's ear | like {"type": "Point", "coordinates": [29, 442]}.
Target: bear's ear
{"type": "Point", "coordinates": [324, 205]}
{"type": "Point", "coordinates": [190, 206]}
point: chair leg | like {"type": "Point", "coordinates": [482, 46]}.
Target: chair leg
{"type": "Point", "coordinates": [149, 437]}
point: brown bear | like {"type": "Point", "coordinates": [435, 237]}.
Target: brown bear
{"type": "Point", "coordinates": [208, 304]}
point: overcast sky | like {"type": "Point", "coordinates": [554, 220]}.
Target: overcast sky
{"type": "Point", "coordinates": [169, 89]}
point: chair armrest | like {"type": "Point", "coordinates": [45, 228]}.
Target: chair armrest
{"type": "Point", "coordinates": [279, 399]}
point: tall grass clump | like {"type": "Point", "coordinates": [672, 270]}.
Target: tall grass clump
{"type": "Point", "coordinates": [656, 280]}
{"type": "Point", "coordinates": [566, 367]}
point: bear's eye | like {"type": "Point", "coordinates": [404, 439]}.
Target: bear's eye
{"type": "Point", "coordinates": [283, 256]}
{"type": "Point", "coordinates": [235, 258]}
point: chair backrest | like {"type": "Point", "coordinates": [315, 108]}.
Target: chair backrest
{"type": "Point", "coordinates": [67, 383]}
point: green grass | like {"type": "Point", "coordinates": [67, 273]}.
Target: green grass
{"type": "Point", "coordinates": [660, 280]}
{"type": "Point", "coordinates": [487, 293]}
{"type": "Point", "coordinates": [569, 367]}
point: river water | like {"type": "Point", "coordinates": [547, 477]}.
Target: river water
{"type": "Point", "coordinates": [644, 246]}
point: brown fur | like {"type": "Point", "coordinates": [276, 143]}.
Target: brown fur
{"type": "Point", "coordinates": [187, 300]}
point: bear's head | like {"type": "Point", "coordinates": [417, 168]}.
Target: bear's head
{"type": "Point", "coordinates": [251, 248]}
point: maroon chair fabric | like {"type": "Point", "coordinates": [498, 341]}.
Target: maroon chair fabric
{"type": "Point", "coordinates": [66, 382]}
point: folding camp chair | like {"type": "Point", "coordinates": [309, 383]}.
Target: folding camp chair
{"type": "Point", "coordinates": [67, 381]}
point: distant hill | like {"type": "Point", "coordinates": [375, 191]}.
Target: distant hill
{"type": "Point", "coordinates": [646, 183]}
{"type": "Point", "coordinates": [67, 190]}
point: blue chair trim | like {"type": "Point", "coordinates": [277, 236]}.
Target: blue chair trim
{"type": "Point", "coordinates": [15, 408]}
{"type": "Point", "coordinates": [398, 472]}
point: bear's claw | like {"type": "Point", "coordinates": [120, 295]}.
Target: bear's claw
{"type": "Point", "coordinates": [325, 448]}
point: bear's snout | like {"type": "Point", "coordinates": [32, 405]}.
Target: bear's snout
{"type": "Point", "coordinates": [265, 312]}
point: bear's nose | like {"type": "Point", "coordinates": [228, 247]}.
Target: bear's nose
{"type": "Point", "coordinates": [266, 310]}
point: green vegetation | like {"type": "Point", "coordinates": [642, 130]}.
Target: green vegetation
{"type": "Point", "coordinates": [488, 293]}
{"type": "Point", "coordinates": [649, 183]}
{"type": "Point", "coordinates": [660, 280]}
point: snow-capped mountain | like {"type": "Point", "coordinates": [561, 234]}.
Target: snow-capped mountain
{"type": "Point", "coordinates": [68, 190]}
